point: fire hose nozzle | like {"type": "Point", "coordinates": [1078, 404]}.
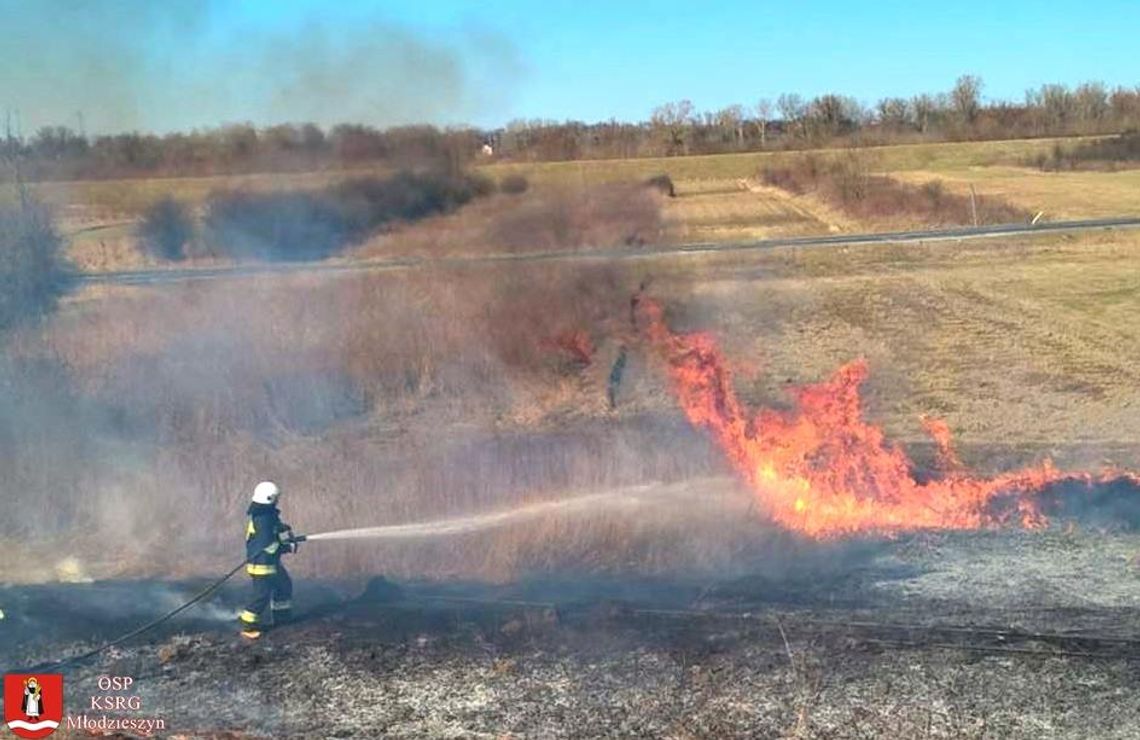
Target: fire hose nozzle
{"type": "Point", "coordinates": [299, 538]}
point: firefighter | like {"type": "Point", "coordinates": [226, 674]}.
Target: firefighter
{"type": "Point", "coordinates": [267, 538]}
{"type": "Point", "coordinates": [614, 381]}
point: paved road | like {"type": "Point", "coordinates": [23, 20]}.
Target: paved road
{"type": "Point", "coordinates": [178, 275]}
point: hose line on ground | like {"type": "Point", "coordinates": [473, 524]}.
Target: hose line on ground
{"type": "Point", "coordinates": [440, 528]}
{"type": "Point", "coordinates": [144, 628]}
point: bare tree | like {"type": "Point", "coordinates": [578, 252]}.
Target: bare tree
{"type": "Point", "coordinates": [1058, 104]}
{"type": "Point", "coordinates": [1125, 103]}
{"type": "Point", "coordinates": [792, 110]}
{"type": "Point", "coordinates": [894, 113]}
{"type": "Point", "coordinates": [825, 114]}
{"type": "Point", "coordinates": [924, 107]}
{"type": "Point", "coordinates": [1035, 110]}
{"type": "Point", "coordinates": [731, 122]}
{"type": "Point", "coordinates": [763, 116]}
{"type": "Point", "coordinates": [967, 97]}
{"type": "Point", "coordinates": [1091, 102]}
{"type": "Point", "coordinates": [674, 122]}
{"type": "Point", "coordinates": [832, 115]}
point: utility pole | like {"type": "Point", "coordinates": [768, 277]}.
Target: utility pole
{"type": "Point", "coordinates": [974, 203]}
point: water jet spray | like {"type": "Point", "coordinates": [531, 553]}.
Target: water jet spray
{"type": "Point", "coordinates": [479, 522]}
{"type": "Point", "coordinates": [626, 497]}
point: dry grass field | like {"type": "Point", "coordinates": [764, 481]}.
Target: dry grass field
{"type": "Point", "coordinates": [941, 156]}
{"type": "Point", "coordinates": [92, 202]}
{"type": "Point", "coordinates": [399, 396]}
{"type": "Point", "coordinates": [725, 210]}
{"type": "Point", "coordinates": [1019, 343]}
{"type": "Point", "coordinates": [553, 218]}
{"type": "Point", "coordinates": [404, 382]}
{"type": "Point", "coordinates": [719, 198]}
{"type": "Point", "coordinates": [1061, 195]}
{"type": "Point", "coordinates": [145, 412]}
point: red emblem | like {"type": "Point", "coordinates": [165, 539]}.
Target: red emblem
{"type": "Point", "coordinates": [33, 703]}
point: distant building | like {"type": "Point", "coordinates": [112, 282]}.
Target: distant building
{"type": "Point", "coordinates": [488, 150]}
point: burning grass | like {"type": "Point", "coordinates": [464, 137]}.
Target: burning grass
{"type": "Point", "coordinates": [821, 469]}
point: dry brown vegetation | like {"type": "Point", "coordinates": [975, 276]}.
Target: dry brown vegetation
{"type": "Point", "coordinates": [1107, 154]}
{"type": "Point", "coordinates": [548, 218]}
{"type": "Point", "coordinates": [575, 204]}
{"type": "Point", "coordinates": [139, 417]}
{"type": "Point", "coordinates": [374, 399]}
{"type": "Point", "coordinates": [850, 184]}
{"type": "Point", "coordinates": [1061, 195]}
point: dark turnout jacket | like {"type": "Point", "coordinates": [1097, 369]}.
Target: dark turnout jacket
{"type": "Point", "coordinates": [266, 538]}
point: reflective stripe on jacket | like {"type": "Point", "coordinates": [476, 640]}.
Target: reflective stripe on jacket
{"type": "Point", "coordinates": [265, 534]}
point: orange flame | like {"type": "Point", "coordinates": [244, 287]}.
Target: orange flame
{"type": "Point", "coordinates": [821, 469]}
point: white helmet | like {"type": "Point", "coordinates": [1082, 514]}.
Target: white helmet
{"type": "Point", "coordinates": [266, 492]}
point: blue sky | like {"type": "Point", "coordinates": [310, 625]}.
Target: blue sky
{"type": "Point", "coordinates": [595, 60]}
{"type": "Point", "coordinates": [180, 64]}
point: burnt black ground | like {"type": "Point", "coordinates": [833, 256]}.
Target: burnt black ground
{"type": "Point", "coordinates": [865, 641]}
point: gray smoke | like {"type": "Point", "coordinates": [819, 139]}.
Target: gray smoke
{"type": "Point", "coordinates": [181, 64]}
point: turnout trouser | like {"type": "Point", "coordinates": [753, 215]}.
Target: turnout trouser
{"type": "Point", "coordinates": [272, 600]}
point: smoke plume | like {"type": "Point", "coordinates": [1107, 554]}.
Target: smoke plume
{"type": "Point", "coordinates": [184, 64]}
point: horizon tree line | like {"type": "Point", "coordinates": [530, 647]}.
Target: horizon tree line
{"type": "Point", "coordinates": [676, 128]}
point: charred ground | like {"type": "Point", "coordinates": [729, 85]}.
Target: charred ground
{"type": "Point", "coordinates": [936, 635]}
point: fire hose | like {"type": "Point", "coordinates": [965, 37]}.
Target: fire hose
{"type": "Point", "coordinates": [443, 527]}
{"type": "Point", "coordinates": [396, 531]}
{"type": "Point", "coordinates": [203, 594]}
{"type": "Point", "coordinates": [885, 635]}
